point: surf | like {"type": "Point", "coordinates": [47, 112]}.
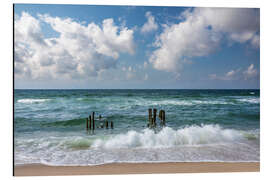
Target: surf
{"type": "Point", "coordinates": [168, 137]}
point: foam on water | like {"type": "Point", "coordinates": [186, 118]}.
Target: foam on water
{"type": "Point", "coordinates": [250, 100]}
{"type": "Point", "coordinates": [193, 143]}
{"type": "Point", "coordinates": [182, 102]}
{"type": "Point", "coordinates": [171, 102]}
{"type": "Point", "coordinates": [167, 137]}
{"type": "Point", "coordinates": [32, 100]}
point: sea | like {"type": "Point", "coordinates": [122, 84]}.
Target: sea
{"type": "Point", "coordinates": [201, 126]}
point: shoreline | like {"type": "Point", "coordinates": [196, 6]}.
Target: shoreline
{"type": "Point", "coordinates": [136, 168]}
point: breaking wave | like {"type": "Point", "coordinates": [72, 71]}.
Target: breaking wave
{"type": "Point", "coordinates": [168, 137]}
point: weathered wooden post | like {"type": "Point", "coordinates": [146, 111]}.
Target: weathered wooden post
{"type": "Point", "coordinates": [107, 124]}
{"type": "Point", "coordinates": [111, 125]}
{"type": "Point", "coordinates": [163, 117]}
{"type": "Point", "coordinates": [155, 115]}
{"type": "Point", "coordinates": [90, 124]}
{"type": "Point", "coordinates": [160, 114]}
{"type": "Point", "coordinates": [150, 117]}
{"type": "Point", "coordinates": [152, 122]}
{"type": "Point", "coordinates": [93, 119]}
{"type": "Point", "coordinates": [87, 124]}
{"type": "Point", "coordinates": [99, 117]}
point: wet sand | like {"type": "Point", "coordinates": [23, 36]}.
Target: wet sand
{"type": "Point", "coordinates": [136, 168]}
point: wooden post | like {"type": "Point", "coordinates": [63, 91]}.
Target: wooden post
{"type": "Point", "coordinates": [87, 124]}
{"type": "Point", "coordinates": [99, 117]}
{"type": "Point", "coordinates": [160, 114]}
{"type": "Point", "coordinates": [90, 124]}
{"type": "Point", "coordinates": [93, 119]}
{"type": "Point", "coordinates": [150, 117]}
{"type": "Point", "coordinates": [107, 124]}
{"type": "Point", "coordinates": [163, 117]}
{"type": "Point", "coordinates": [155, 115]}
{"type": "Point", "coordinates": [111, 125]}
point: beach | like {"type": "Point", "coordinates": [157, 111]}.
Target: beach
{"type": "Point", "coordinates": [136, 168]}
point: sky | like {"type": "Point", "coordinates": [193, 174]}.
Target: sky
{"type": "Point", "coordinates": [135, 47]}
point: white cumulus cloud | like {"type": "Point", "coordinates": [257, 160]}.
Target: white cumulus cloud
{"type": "Point", "coordinates": [201, 32]}
{"type": "Point", "coordinates": [80, 50]}
{"type": "Point", "coordinates": [251, 72]}
{"type": "Point", "coordinates": [230, 75]}
{"type": "Point", "coordinates": [150, 25]}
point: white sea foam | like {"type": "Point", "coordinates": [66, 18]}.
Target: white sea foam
{"type": "Point", "coordinates": [32, 100]}
{"type": "Point", "coordinates": [167, 137]}
{"type": "Point", "coordinates": [188, 144]}
{"type": "Point", "coordinates": [187, 102]}
{"type": "Point", "coordinates": [144, 102]}
{"type": "Point", "coordinates": [250, 100]}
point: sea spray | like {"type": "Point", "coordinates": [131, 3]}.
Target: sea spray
{"type": "Point", "coordinates": [167, 137]}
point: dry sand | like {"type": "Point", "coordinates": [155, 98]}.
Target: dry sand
{"type": "Point", "coordinates": [136, 168]}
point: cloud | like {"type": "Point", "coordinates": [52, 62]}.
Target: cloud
{"type": "Point", "coordinates": [201, 32]}
{"type": "Point", "coordinates": [250, 73]}
{"type": "Point", "coordinates": [135, 74]}
{"type": "Point", "coordinates": [145, 64]}
{"type": "Point", "coordinates": [130, 74]}
{"type": "Point", "coordinates": [230, 75]}
{"type": "Point", "coordinates": [255, 42]}
{"type": "Point", "coordinates": [150, 25]}
{"type": "Point", "coordinates": [80, 50]}
{"type": "Point", "coordinates": [28, 30]}
{"type": "Point", "coordinates": [146, 77]}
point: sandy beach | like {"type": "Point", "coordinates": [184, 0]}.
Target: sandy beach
{"type": "Point", "coordinates": [136, 168]}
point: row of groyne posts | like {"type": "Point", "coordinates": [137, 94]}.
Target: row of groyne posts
{"type": "Point", "coordinates": [152, 116]}
{"type": "Point", "coordinates": [90, 123]}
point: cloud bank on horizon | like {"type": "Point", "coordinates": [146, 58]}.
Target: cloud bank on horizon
{"type": "Point", "coordinates": [99, 50]}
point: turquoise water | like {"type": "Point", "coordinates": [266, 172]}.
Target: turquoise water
{"type": "Point", "coordinates": [201, 125]}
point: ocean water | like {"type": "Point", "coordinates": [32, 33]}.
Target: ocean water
{"type": "Point", "coordinates": [201, 125]}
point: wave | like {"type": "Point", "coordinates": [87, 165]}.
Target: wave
{"type": "Point", "coordinates": [168, 137]}
{"type": "Point", "coordinates": [72, 122]}
{"type": "Point", "coordinates": [188, 144]}
{"type": "Point", "coordinates": [30, 101]}
{"type": "Point", "coordinates": [78, 143]}
{"type": "Point", "coordinates": [193, 102]}
{"type": "Point", "coordinates": [143, 102]}
{"type": "Point", "coordinates": [250, 100]}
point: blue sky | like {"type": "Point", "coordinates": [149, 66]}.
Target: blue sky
{"type": "Point", "coordinates": [85, 46]}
